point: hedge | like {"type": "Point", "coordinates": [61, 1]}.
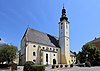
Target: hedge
{"type": "Point", "coordinates": [27, 65]}
{"type": "Point", "coordinates": [4, 65]}
{"type": "Point", "coordinates": [35, 68]}
{"type": "Point", "coordinates": [38, 68]}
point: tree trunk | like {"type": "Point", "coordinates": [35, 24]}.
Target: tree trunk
{"type": "Point", "coordinates": [8, 61]}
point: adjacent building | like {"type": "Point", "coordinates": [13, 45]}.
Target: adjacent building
{"type": "Point", "coordinates": [43, 48]}
{"type": "Point", "coordinates": [96, 42]}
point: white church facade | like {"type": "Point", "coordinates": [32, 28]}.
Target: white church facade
{"type": "Point", "coordinates": [43, 48]}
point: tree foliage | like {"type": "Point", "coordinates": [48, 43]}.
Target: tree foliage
{"type": "Point", "coordinates": [89, 53]}
{"type": "Point", "coordinates": [7, 53]}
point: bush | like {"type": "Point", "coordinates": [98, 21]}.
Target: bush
{"type": "Point", "coordinates": [98, 63]}
{"type": "Point", "coordinates": [87, 64]}
{"type": "Point", "coordinates": [37, 68]}
{"type": "Point", "coordinates": [71, 65]}
{"type": "Point", "coordinates": [66, 65]}
{"type": "Point", "coordinates": [53, 66]}
{"type": "Point", "coordinates": [57, 66]}
{"type": "Point", "coordinates": [61, 66]}
{"type": "Point", "coordinates": [27, 65]}
{"type": "Point", "coordinates": [4, 65]}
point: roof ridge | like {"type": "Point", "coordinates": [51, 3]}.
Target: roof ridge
{"type": "Point", "coordinates": [42, 32]}
{"type": "Point", "coordinates": [37, 30]}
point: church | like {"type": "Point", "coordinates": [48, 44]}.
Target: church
{"type": "Point", "coordinates": [43, 48]}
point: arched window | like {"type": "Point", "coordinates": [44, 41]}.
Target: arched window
{"type": "Point", "coordinates": [46, 57]}
{"type": "Point", "coordinates": [54, 61]}
{"type": "Point", "coordinates": [56, 49]}
{"type": "Point", "coordinates": [34, 54]}
{"type": "Point", "coordinates": [34, 46]}
{"type": "Point", "coordinates": [61, 25]}
{"type": "Point", "coordinates": [50, 48]}
{"type": "Point", "coordinates": [43, 47]}
{"type": "Point", "coordinates": [34, 60]}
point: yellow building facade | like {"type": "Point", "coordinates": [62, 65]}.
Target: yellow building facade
{"type": "Point", "coordinates": [43, 48]}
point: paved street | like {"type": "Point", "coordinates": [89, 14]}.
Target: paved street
{"type": "Point", "coordinates": [75, 69]}
{"type": "Point", "coordinates": [68, 69]}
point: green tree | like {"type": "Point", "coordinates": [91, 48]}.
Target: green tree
{"type": "Point", "coordinates": [97, 58]}
{"type": "Point", "coordinates": [8, 53]}
{"type": "Point", "coordinates": [2, 53]}
{"type": "Point", "coordinates": [89, 53]}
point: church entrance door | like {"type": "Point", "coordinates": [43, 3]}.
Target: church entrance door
{"type": "Point", "coordinates": [54, 61]}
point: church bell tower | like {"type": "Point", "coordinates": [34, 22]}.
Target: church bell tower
{"type": "Point", "coordinates": [64, 38]}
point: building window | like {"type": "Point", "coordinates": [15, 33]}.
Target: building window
{"type": "Point", "coordinates": [53, 54]}
{"type": "Point", "coordinates": [43, 48]}
{"type": "Point", "coordinates": [61, 25]}
{"type": "Point", "coordinates": [46, 57]}
{"type": "Point", "coordinates": [56, 49]}
{"type": "Point", "coordinates": [34, 60]}
{"type": "Point", "coordinates": [34, 46]}
{"type": "Point", "coordinates": [34, 54]}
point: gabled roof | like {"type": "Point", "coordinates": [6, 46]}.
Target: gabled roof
{"type": "Point", "coordinates": [2, 44]}
{"type": "Point", "coordinates": [96, 40]}
{"type": "Point", "coordinates": [72, 54]}
{"type": "Point", "coordinates": [36, 36]}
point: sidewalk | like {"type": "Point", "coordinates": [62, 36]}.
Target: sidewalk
{"type": "Point", "coordinates": [75, 68]}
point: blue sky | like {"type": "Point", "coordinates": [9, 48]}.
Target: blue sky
{"type": "Point", "coordinates": [44, 15]}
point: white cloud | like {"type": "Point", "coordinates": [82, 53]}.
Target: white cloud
{"type": "Point", "coordinates": [2, 40]}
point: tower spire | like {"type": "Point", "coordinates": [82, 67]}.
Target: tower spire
{"type": "Point", "coordinates": [63, 5]}
{"type": "Point", "coordinates": [63, 16]}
